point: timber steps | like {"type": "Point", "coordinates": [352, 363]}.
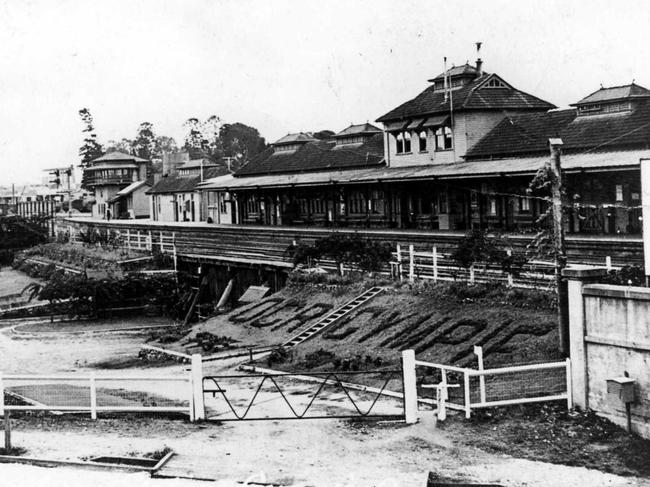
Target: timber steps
{"type": "Point", "coordinates": [333, 317]}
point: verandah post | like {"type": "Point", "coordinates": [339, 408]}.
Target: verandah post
{"type": "Point", "coordinates": [410, 387]}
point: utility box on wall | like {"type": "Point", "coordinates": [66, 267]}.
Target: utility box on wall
{"type": "Point", "coordinates": [621, 388]}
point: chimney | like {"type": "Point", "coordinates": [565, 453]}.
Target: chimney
{"type": "Point", "coordinates": [479, 61]}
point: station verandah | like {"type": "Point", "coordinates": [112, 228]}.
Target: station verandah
{"type": "Point", "coordinates": [599, 203]}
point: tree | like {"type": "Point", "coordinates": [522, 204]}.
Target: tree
{"type": "Point", "coordinates": [162, 145]}
{"type": "Point", "coordinates": [145, 141]}
{"type": "Point", "coordinates": [240, 143]}
{"type": "Point", "coordinates": [123, 145]}
{"type": "Point", "coordinates": [324, 135]}
{"type": "Point", "coordinates": [90, 149]}
{"type": "Point", "coordinates": [194, 140]}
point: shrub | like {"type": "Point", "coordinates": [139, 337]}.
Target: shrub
{"type": "Point", "coordinates": [630, 275]}
{"type": "Point", "coordinates": [349, 250]}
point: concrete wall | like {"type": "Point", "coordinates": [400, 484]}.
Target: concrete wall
{"type": "Point", "coordinates": [610, 336]}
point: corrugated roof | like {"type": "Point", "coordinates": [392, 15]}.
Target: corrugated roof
{"type": "Point", "coordinates": [466, 69]}
{"type": "Point", "coordinates": [118, 156]}
{"type": "Point", "coordinates": [197, 163]}
{"type": "Point", "coordinates": [479, 168]}
{"type": "Point", "coordinates": [529, 134]}
{"type": "Point", "coordinates": [114, 165]}
{"type": "Point", "coordinates": [132, 187]}
{"type": "Point", "coordinates": [183, 184]}
{"type": "Point", "coordinates": [469, 97]}
{"type": "Point", "coordinates": [615, 93]}
{"type": "Point", "coordinates": [317, 155]}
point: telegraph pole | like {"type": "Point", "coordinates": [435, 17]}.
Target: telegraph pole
{"type": "Point", "coordinates": [560, 247]}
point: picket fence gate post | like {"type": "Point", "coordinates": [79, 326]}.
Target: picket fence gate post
{"type": "Point", "coordinates": [410, 387]}
{"type": "Point", "coordinates": [197, 387]}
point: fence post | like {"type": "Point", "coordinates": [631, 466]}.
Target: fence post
{"type": "Point", "coordinates": [435, 264]}
{"type": "Point", "coordinates": [399, 261]}
{"type": "Point", "coordinates": [128, 239]}
{"type": "Point", "coordinates": [478, 351]}
{"type": "Point", "coordinates": [569, 385]}
{"type": "Point", "coordinates": [468, 403]}
{"type": "Point", "coordinates": [93, 396]}
{"type": "Point", "coordinates": [510, 279]}
{"type": "Point", "coordinates": [197, 387]}
{"type": "Point", "coordinates": [471, 274]}
{"type": "Point", "coordinates": [608, 263]}
{"type": "Point", "coordinates": [411, 264]}
{"type": "Point", "coordinates": [2, 396]}
{"type": "Point", "coordinates": [410, 387]}
{"type": "Point", "coordinates": [150, 243]}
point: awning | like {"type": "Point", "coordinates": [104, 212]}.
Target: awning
{"type": "Point", "coordinates": [436, 121]}
{"type": "Point", "coordinates": [528, 166]}
{"type": "Point", "coordinates": [396, 126]}
{"type": "Point", "coordinates": [415, 124]}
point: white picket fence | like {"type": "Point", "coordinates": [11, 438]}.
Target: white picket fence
{"type": "Point", "coordinates": [437, 266]}
{"type": "Point", "coordinates": [95, 393]}
{"type": "Point", "coordinates": [464, 389]}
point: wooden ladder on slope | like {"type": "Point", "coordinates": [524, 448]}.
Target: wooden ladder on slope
{"type": "Point", "coordinates": [333, 317]}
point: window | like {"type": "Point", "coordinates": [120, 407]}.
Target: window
{"type": "Point", "coordinates": [357, 202]}
{"type": "Point", "coordinates": [443, 138]}
{"type": "Point", "coordinates": [619, 192]}
{"type": "Point", "coordinates": [492, 206]}
{"type": "Point", "coordinates": [376, 202]}
{"type": "Point", "coordinates": [403, 142]}
{"type": "Point", "coordinates": [423, 140]}
{"type": "Point", "coordinates": [524, 205]}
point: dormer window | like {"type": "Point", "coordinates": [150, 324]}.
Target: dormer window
{"type": "Point", "coordinates": [600, 108]}
{"type": "Point", "coordinates": [422, 140]}
{"type": "Point", "coordinates": [403, 142]}
{"type": "Point", "coordinates": [287, 147]}
{"type": "Point", "coordinates": [359, 139]}
{"type": "Point", "coordinates": [444, 138]}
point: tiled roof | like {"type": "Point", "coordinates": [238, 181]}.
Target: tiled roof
{"type": "Point", "coordinates": [183, 184]}
{"type": "Point", "coordinates": [118, 156]}
{"type": "Point", "coordinates": [529, 134]}
{"type": "Point", "coordinates": [615, 93]}
{"type": "Point", "coordinates": [469, 97]}
{"type": "Point", "coordinates": [364, 128]}
{"type": "Point", "coordinates": [294, 138]}
{"type": "Point", "coordinates": [317, 155]}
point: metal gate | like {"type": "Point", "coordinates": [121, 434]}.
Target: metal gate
{"type": "Point", "coordinates": [308, 395]}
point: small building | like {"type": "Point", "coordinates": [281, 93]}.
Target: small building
{"type": "Point", "coordinates": [174, 197]}
{"type": "Point", "coordinates": [131, 202]}
{"type": "Point", "coordinates": [109, 174]}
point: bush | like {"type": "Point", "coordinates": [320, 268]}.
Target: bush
{"type": "Point", "coordinates": [630, 275]}
{"type": "Point", "coordinates": [349, 250]}
{"type": "Point", "coordinates": [477, 246]}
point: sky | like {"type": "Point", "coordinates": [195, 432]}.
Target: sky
{"type": "Point", "coordinates": [281, 65]}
